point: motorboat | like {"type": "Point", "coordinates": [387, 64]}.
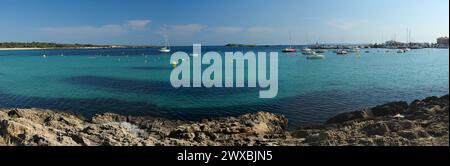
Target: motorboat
{"type": "Point", "coordinates": [315, 56]}
{"type": "Point", "coordinates": [309, 52]}
{"type": "Point", "coordinates": [306, 49]}
{"type": "Point", "coordinates": [289, 50]}
{"type": "Point", "coordinates": [342, 52]}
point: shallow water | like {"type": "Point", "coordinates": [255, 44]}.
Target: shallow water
{"type": "Point", "coordinates": [136, 82]}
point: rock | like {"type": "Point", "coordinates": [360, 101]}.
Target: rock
{"type": "Point", "coordinates": [302, 133]}
{"type": "Point", "coordinates": [408, 135]}
{"type": "Point", "coordinates": [14, 114]}
{"type": "Point", "coordinates": [426, 123]}
{"type": "Point", "coordinates": [108, 117]}
{"type": "Point", "coordinates": [379, 128]}
{"type": "Point", "coordinates": [349, 116]}
{"type": "Point", "coordinates": [200, 137]}
{"type": "Point", "coordinates": [391, 108]}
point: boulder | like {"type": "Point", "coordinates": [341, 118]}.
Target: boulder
{"type": "Point", "coordinates": [379, 128]}
{"type": "Point", "coordinates": [108, 117]}
{"type": "Point", "coordinates": [391, 108]}
{"type": "Point", "coordinates": [348, 116]}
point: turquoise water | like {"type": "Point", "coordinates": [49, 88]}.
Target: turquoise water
{"type": "Point", "coordinates": [136, 82]}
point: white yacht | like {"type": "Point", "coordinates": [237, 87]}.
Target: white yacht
{"type": "Point", "coordinates": [308, 51]}
{"type": "Point", "coordinates": [165, 49]}
{"type": "Point", "coordinates": [342, 52]}
{"type": "Point", "coordinates": [315, 56]}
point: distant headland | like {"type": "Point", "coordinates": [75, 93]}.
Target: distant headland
{"type": "Point", "coordinates": [240, 45]}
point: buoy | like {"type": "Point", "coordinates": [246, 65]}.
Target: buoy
{"type": "Point", "coordinates": [174, 64]}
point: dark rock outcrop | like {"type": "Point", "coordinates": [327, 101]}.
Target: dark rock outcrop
{"type": "Point", "coordinates": [423, 122]}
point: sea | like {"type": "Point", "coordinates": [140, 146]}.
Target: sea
{"type": "Point", "coordinates": [136, 81]}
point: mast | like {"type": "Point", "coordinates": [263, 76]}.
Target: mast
{"type": "Point", "coordinates": [167, 41]}
{"type": "Point", "coordinates": [290, 40]}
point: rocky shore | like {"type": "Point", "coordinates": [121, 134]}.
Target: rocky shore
{"type": "Point", "coordinates": [422, 122]}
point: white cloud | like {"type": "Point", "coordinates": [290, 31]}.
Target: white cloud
{"type": "Point", "coordinates": [191, 28]}
{"type": "Point", "coordinates": [109, 30]}
{"type": "Point", "coordinates": [228, 30]}
{"type": "Point", "coordinates": [78, 31]}
{"type": "Point", "coordinates": [138, 24]}
{"type": "Point", "coordinates": [181, 30]}
{"type": "Point", "coordinates": [259, 29]}
{"type": "Point", "coordinates": [341, 24]}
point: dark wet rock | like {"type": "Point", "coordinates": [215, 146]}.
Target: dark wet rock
{"type": "Point", "coordinates": [14, 113]}
{"type": "Point", "coordinates": [425, 123]}
{"type": "Point", "coordinates": [349, 116]}
{"type": "Point", "coordinates": [391, 108]}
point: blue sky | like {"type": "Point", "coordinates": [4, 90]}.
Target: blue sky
{"type": "Point", "coordinates": [217, 22]}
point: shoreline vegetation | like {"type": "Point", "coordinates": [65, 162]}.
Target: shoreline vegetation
{"type": "Point", "coordinates": [47, 45]}
{"type": "Point", "coordinates": [421, 122]}
{"type": "Point", "coordinates": [240, 45]}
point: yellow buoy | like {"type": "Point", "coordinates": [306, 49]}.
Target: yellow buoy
{"type": "Point", "coordinates": [174, 64]}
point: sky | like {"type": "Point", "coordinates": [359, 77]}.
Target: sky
{"type": "Point", "coordinates": [217, 22]}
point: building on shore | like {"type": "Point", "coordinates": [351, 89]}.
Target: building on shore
{"type": "Point", "coordinates": [442, 42]}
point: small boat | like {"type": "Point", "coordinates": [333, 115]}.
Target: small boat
{"type": "Point", "coordinates": [164, 50]}
{"type": "Point", "coordinates": [309, 53]}
{"type": "Point", "coordinates": [342, 52]}
{"type": "Point", "coordinates": [306, 49]}
{"type": "Point", "coordinates": [315, 56]}
{"type": "Point", "coordinates": [401, 51]}
{"type": "Point", "coordinates": [320, 51]}
{"type": "Point", "coordinates": [289, 50]}
{"type": "Point", "coordinates": [44, 56]}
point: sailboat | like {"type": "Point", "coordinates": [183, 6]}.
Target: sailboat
{"type": "Point", "coordinates": [165, 49]}
{"type": "Point", "coordinates": [290, 49]}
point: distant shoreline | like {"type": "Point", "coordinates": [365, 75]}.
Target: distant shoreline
{"type": "Point", "coordinates": [65, 48]}
{"type": "Point", "coordinates": [18, 49]}
{"type": "Point", "coordinates": [53, 46]}
{"type": "Point", "coordinates": [10, 49]}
